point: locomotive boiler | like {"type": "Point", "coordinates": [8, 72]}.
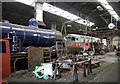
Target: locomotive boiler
{"type": "Point", "coordinates": [30, 36]}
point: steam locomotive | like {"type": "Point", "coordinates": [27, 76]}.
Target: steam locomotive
{"type": "Point", "coordinates": [29, 36]}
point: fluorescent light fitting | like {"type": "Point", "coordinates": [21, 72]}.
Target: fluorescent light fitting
{"type": "Point", "coordinates": [46, 7]}
{"type": "Point", "coordinates": [111, 11]}
{"type": "Point", "coordinates": [85, 22]}
{"type": "Point", "coordinates": [57, 11]}
{"type": "Point", "coordinates": [94, 29]}
{"type": "Point", "coordinates": [28, 2]}
{"type": "Point", "coordinates": [74, 17]}
{"type": "Point", "coordinates": [66, 15]}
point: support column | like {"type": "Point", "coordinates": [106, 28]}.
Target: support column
{"type": "Point", "coordinates": [110, 43]}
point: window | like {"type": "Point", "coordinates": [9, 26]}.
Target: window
{"type": "Point", "coordinates": [73, 38]}
{"type": "Point", "coordinates": [3, 46]}
{"type": "Point", "coordinates": [77, 39]}
{"type": "Point", "coordinates": [95, 44]}
{"type": "Point", "coordinates": [69, 37]}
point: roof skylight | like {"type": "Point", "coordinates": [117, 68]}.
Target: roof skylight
{"type": "Point", "coordinates": [60, 12]}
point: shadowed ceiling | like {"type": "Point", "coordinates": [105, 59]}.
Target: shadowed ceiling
{"type": "Point", "coordinates": [19, 13]}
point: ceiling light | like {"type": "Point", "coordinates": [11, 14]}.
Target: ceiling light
{"type": "Point", "coordinates": [111, 11]}
{"type": "Point", "coordinates": [99, 8]}
{"type": "Point", "coordinates": [96, 27]}
{"type": "Point", "coordinates": [57, 11]}
{"type": "Point", "coordinates": [66, 15]}
{"type": "Point", "coordinates": [68, 25]}
{"type": "Point", "coordinates": [74, 17]}
{"type": "Point", "coordinates": [47, 7]}
{"type": "Point", "coordinates": [111, 26]}
{"type": "Point", "coordinates": [28, 2]}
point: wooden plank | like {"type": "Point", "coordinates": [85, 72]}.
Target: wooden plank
{"type": "Point", "coordinates": [35, 57]}
{"type": "Point", "coordinates": [94, 62]}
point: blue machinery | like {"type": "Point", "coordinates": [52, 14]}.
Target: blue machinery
{"type": "Point", "coordinates": [29, 36]}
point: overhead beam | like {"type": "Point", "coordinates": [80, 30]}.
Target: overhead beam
{"type": "Point", "coordinates": [111, 11]}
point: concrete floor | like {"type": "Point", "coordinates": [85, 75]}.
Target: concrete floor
{"type": "Point", "coordinates": [110, 72]}
{"type": "Point", "coordinates": [107, 72]}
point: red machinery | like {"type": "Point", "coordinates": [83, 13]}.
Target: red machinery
{"type": "Point", "coordinates": [5, 70]}
{"type": "Point", "coordinates": [83, 45]}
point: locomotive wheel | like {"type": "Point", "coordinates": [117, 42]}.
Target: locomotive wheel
{"type": "Point", "coordinates": [102, 52]}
